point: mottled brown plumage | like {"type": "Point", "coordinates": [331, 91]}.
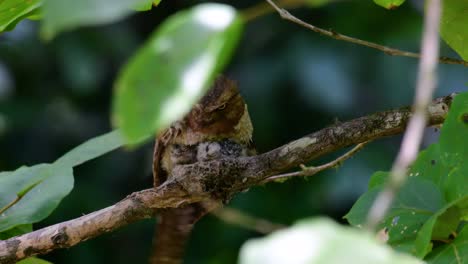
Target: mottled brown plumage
{"type": "Point", "coordinates": [220, 114]}
{"type": "Point", "coordinates": [216, 127]}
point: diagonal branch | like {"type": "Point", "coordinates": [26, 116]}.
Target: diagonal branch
{"type": "Point", "coordinates": [135, 207]}
{"type": "Point", "coordinates": [223, 178]}
{"type": "Point", "coordinates": [332, 34]}
{"type": "Point", "coordinates": [219, 179]}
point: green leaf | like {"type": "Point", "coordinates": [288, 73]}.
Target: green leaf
{"type": "Point", "coordinates": [15, 231]}
{"type": "Point", "coordinates": [389, 4]}
{"type": "Point", "coordinates": [434, 202]}
{"type": "Point", "coordinates": [30, 194]}
{"type": "Point", "coordinates": [378, 179]}
{"type": "Point", "coordinates": [317, 241]}
{"type": "Point", "coordinates": [147, 6]}
{"type": "Point", "coordinates": [441, 224]}
{"type": "Point", "coordinates": [91, 149]}
{"type": "Point", "coordinates": [33, 261]}
{"type": "Point", "coordinates": [430, 165]}
{"type": "Point", "coordinates": [454, 252]}
{"type": "Point", "coordinates": [13, 11]}
{"type": "Point", "coordinates": [414, 205]}
{"type": "Point", "coordinates": [40, 189]}
{"type": "Point", "coordinates": [454, 132]}
{"type": "Point", "coordinates": [422, 210]}
{"type": "Point", "coordinates": [36, 14]}
{"type": "Point", "coordinates": [453, 25]}
{"type": "Point", "coordinates": [173, 69]}
{"type": "Point", "coordinates": [456, 183]}
{"type": "Point", "coordinates": [60, 15]}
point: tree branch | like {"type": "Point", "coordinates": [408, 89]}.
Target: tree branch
{"type": "Point", "coordinates": [137, 206]}
{"type": "Point", "coordinates": [217, 179]}
{"type": "Point", "coordinates": [332, 34]}
{"type": "Point", "coordinates": [225, 177]}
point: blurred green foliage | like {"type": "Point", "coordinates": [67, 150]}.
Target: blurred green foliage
{"type": "Point", "coordinates": [433, 203]}
{"type": "Point", "coordinates": [173, 69]}
{"type": "Point", "coordinates": [13, 11]}
{"type": "Point", "coordinates": [453, 25]}
{"type": "Point", "coordinates": [389, 4]}
{"type": "Point", "coordinates": [55, 95]}
{"type": "Point", "coordinates": [321, 241]}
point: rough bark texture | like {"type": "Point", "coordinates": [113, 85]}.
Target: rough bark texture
{"type": "Point", "coordinates": [136, 206]}
{"type": "Point", "coordinates": [219, 179]}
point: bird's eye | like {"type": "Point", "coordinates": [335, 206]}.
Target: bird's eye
{"type": "Point", "coordinates": [221, 107]}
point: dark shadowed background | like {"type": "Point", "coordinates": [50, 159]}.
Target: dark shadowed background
{"type": "Point", "coordinates": [55, 95]}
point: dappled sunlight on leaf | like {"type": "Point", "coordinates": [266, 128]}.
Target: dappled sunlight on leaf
{"type": "Point", "coordinates": [166, 76]}
{"type": "Point", "coordinates": [317, 241]}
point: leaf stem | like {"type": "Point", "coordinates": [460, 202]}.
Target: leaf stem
{"type": "Point", "coordinates": [19, 195]}
{"type": "Point", "coordinates": [6, 207]}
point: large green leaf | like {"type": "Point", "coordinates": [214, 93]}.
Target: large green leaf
{"type": "Point", "coordinates": [417, 201]}
{"type": "Point", "coordinates": [30, 194]}
{"type": "Point", "coordinates": [37, 189]}
{"type": "Point", "coordinates": [379, 178]}
{"type": "Point", "coordinates": [12, 11]}
{"type": "Point", "coordinates": [60, 15]}
{"type": "Point", "coordinates": [455, 252]}
{"type": "Point", "coordinates": [429, 164]}
{"type": "Point", "coordinates": [91, 149]}
{"type": "Point", "coordinates": [174, 68]}
{"type": "Point", "coordinates": [453, 28]}
{"type": "Point", "coordinates": [439, 226]}
{"type": "Point", "coordinates": [317, 241]}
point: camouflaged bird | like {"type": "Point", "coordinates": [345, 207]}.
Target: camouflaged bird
{"type": "Point", "coordinates": [218, 126]}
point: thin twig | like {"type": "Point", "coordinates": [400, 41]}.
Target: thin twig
{"type": "Point", "coordinates": [426, 84]}
{"type": "Point", "coordinates": [309, 171]}
{"type": "Point", "coordinates": [239, 218]}
{"type": "Point", "coordinates": [388, 50]}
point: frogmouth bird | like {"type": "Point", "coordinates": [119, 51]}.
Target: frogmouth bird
{"type": "Point", "coordinates": [218, 126]}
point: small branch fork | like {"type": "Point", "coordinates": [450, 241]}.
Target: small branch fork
{"type": "Point", "coordinates": [332, 34]}
{"type": "Point", "coordinates": [218, 179]}
{"type": "Point", "coordinates": [310, 171]}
